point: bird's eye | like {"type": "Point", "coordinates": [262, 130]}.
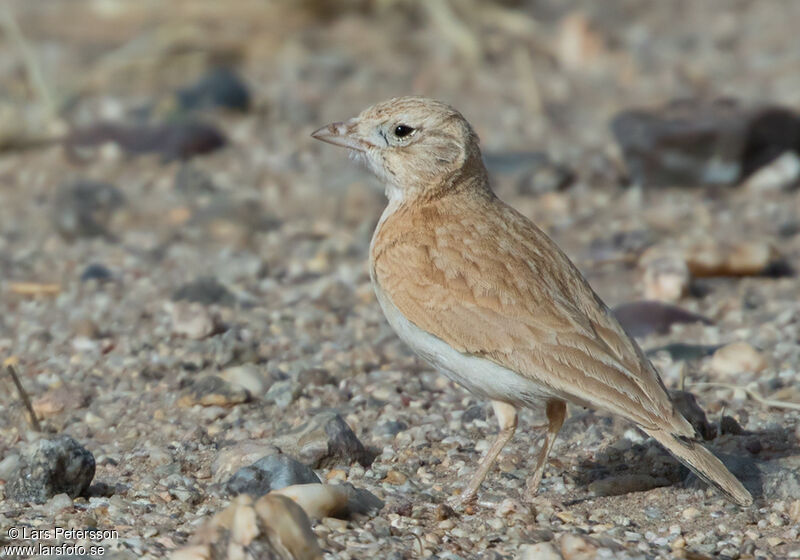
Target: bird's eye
{"type": "Point", "coordinates": [401, 130]}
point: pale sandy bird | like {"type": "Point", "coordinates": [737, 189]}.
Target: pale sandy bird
{"type": "Point", "coordinates": [480, 292]}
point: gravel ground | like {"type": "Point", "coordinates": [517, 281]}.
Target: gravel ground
{"type": "Point", "coordinates": [180, 318]}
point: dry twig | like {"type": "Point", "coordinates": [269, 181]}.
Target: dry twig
{"type": "Point", "coordinates": [755, 395]}
{"type": "Point", "coordinates": [23, 395]}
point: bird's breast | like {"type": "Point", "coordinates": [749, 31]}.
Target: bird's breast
{"type": "Point", "coordinates": [478, 375]}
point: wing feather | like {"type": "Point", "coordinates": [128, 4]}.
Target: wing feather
{"type": "Point", "coordinates": [483, 278]}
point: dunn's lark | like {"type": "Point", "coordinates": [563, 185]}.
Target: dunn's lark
{"type": "Point", "coordinates": [480, 292]}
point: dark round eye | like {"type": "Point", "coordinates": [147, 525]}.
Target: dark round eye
{"type": "Point", "coordinates": [401, 130]}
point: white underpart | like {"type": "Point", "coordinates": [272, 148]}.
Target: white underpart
{"type": "Point", "coordinates": [478, 375]}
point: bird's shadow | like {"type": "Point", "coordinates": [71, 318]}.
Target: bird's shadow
{"type": "Point", "coordinates": [754, 457]}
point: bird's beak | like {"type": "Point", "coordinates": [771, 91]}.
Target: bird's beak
{"type": "Point", "coordinates": [341, 134]}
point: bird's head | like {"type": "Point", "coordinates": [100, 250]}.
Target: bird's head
{"type": "Point", "coordinates": [417, 146]}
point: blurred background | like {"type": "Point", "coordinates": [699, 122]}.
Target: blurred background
{"type": "Point", "coordinates": [165, 216]}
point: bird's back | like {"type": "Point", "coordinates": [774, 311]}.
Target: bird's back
{"type": "Point", "coordinates": [474, 272]}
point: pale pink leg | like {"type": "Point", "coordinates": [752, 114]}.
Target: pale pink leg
{"type": "Point", "coordinates": [507, 418]}
{"type": "Point", "coordinates": [556, 412]}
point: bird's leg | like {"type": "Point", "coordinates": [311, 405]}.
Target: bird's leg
{"type": "Point", "coordinates": [507, 418]}
{"type": "Point", "coordinates": [556, 412]}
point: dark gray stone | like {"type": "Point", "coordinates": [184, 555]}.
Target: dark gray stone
{"type": "Point", "coordinates": [96, 272]}
{"type": "Point", "coordinates": [58, 466]}
{"type": "Point", "coordinates": [641, 318]}
{"type": "Point", "coordinates": [391, 428]}
{"type": "Point", "coordinates": [361, 501]}
{"type": "Point", "coordinates": [693, 142]}
{"type": "Point", "coordinates": [206, 290]}
{"type": "Point", "coordinates": [86, 208]}
{"type": "Point", "coordinates": [325, 441]}
{"type": "Point", "coordinates": [272, 472]}
{"type": "Point", "coordinates": [219, 87]}
{"type": "Point", "coordinates": [686, 403]}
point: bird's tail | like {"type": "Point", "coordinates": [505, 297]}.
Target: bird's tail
{"type": "Point", "coordinates": [704, 464]}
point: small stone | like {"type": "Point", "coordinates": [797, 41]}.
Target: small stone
{"type": "Point", "coordinates": [205, 290]}
{"type": "Point", "coordinates": [625, 484]}
{"type": "Point", "coordinates": [58, 400]}
{"type": "Point", "coordinates": [691, 513]}
{"type": "Point", "coordinates": [283, 393]}
{"type": "Point", "coordinates": [642, 318]}
{"type": "Point", "coordinates": [325, 441]}
{"type": "Point", "coordinates": [191, 320]}
{"type": "Point", "coordinates": [576, 547]}
{"type": "Point", "coordinates": [96, 272]}
{"type": "Point", "coordinates": [86, 209]}
{"type": "Point", "coordinates": [59, 465]}
{"type": "Point", "coordinates": [58, 503]}
{"type": "Point", "coordinates": [235, 457]}
{"type": "Point", "coordinates": [729, 425]}
{"type": "Point", "coordinates": [248, 376]}
{"type": "Point", "coordinates": [782, 173]}
{"type": "Point", "coordinates": [219, 87]}
{"type": "Point", "coordinates": [272, 527]}
{"type": "Point", "coordinates": [444, 511]}
{"type": "Point", "coordinates": [193, 181]}
{"type": "Point", "coordinates": [214, 391]}
{"type": "Point", "coordinates": [329, 500]}
{"type": "Point", "coordinates": [473, 413]}
{"type": "Point", "coordinates": [781, 478]}
{"type": "Point", "coordinates": [270, 473]}
{"type": "Point", "coordinates": [744, 258]}
{"type": "Point", "coordinates": [686, 403]}
{"type": "Point", "coordinates": [665, 275]}
{"type": "Point", "coordinates": [315, 377]}
{"type": "Point", "coordinates": [793, 511]}
{"type": "Point", "coordinates": [390, 428]}
{"type": "Point", "coordinates": [737, 357]}
{"type": "Point", "coordinates": [539, 551]}
{"type": "Point", "coordinates": [395, 477]}
{"type": "Point", "coordinates": [8, 466]}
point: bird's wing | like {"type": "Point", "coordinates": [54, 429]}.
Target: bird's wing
{"type": "Point", "coordinates": [483, 278]}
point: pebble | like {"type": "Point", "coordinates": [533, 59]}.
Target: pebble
{"type": "Point", "coordinates": [86, 209]}
{"type": "Point", "coordinates": [691, 513]}
{"type": "Point", "coordinates": [576, 547]}
{"type": "Point", "coordinates": [191, 320]}
{"type": "Point", "coordinates": [234, 457]}
{"type": "Point", "coordinates": [96, 272]}
{"type": "Point", "coordinates": [325, 441]}
{"type": "Point", "coordinates": [395, 477]}
{"type": "Point", "coordinates": [390, 428]}
{"type": "Point", "coordinates": [331, 500]}
{"type": "Point", "coordinates": [219, 87]}
{"type": "Point", "coordinates": [211, 390]}
{"type": "Point", "coordinates": [58, 503]}
{"type": "Point", "coordinates": [743, 258]}
{"type": "Point", "coordinates": [737, 357]}
{"type": "Point", "coordinates": [315, 377]}
{"type": "Point", "coordinates": [270, 473]}
{"type": "Point", "coordinates": [283, 393]}
{"type": "Point", "coordinates": [206, 290]}
{"type": "Point", "coordinates": [782, 173]}
{"type": "Point", "coordinates": [686, 403]}
{"type": "Point", "coordinates": [665, 275]}
{"type": "Point", "coordinates": [58, 465]}
{"type": "Point", "coordinates": [539, 551]}
{"type": "Point", "coordinates": [8, 466]}
{"type": "Point", "coordinates": [642, 318]}
{"type": "Point", "coordinates": [255, 530]}
{"type": "Point", "coordinates": [248, 376]}
{"type": "Point", "coordinates": [625, 484]}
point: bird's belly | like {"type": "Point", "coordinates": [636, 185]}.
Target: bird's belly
{"type": "Point", "coordinates": [479, 376]}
